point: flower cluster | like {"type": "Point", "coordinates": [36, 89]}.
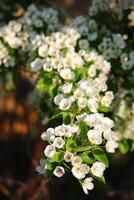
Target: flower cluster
{"type": "Point", "coordinates": [112, 47]}
{"type": "Point", "coordinates": [19, 37]}
{"type": "Point", "coordinates": [112, 26]}
{"type": "Point", "coordinates": [6, 59]}
{"type": "Point", "coordinates": [72, 63]}
{"type": "Point", "coordinates": [79, 143]}
{"type": "Point", "coordinates": [86, 28]}
{"type": "Point", "coordinates": [124, 115]}
{"type": "Point", "coordinates": [114, 7]}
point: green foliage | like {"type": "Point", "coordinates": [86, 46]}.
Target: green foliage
{"type": "Point", "coordinates": [83, 131]}
{"type": "Point", "coordinates": [100, 155]}
{"type": "Point", "coordinates": [58, 157]}
{"type": "Point", "coordinates": [87, 157]}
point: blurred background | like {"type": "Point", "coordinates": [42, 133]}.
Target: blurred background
{"type": "Point", "coordinates": [20, 129]}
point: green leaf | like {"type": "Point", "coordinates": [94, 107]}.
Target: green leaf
{"type": "Point", "coordinates": [55, 90]}
{"type": "Point", "coordinates": [103, 109]}
{"type": "Point", "coordinates": [66, 119]}
{"type": "Point", "coordinates": [100, 179]}
{"type": "Point", "coordinates": [47, 80]}
{"type": "Point", "coordinates": [132, 146]}
{"type": "Point", "coordinates": [58, 157]}
{"type": "Point", "coordinates": [82, 148]}
{"type": "Point", "coordinates": [87, 157]}
{"type": "Point", "coordinates": [83, 131]}
{"type": "Point", "coordinates": [123, 146]}
{"type": "Point", "coordinates": [100, 155]}
{"type": "Point", "coordinates": [49, 170]}
{"type": "Point", "coordinates": [40, 85]}
{"type": "Point", "coordinates": [70, 144]}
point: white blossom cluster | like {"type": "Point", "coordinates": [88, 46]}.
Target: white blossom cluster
{"type": "Point", "coordinates": [111, 47]}
{"type": "Point", "coordinates": [57, 52]}
{"type": "Point", "coordinates": [125, 116]}
{"type": "Point", "coordinates": [40, 17]}
{"type": "Point", "coordinates": [19, 36]}
{"type": "Point", "coordinates": [112, 6]}
{"type": "Point", "coordinates": [85, 93]}
{"type": "Point", "coordinates": [113, 38]}
{"type": "Point", "coordinates": [86, 28]}
{"type": "Point", "coordinates": [82, 90]}
{"type": "Point", "coordinates": [6, 59]}
{"type": "Point", "coordinates": [99, 130]}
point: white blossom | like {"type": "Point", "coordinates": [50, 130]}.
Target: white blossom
{"type": "Point", "coordinates": [111, 145]}
{"type": "Point", "coordinates": [97, 169]}
{"type": "Point", "coordinates": [49, 151]}
{"type": "Point", "coordinates": [68, 156]}
{"type": "Point", "coordinates": [87, 185]}
{"type": "Point", "coordinates": [58, 142]}
{"type": "Point", "coordinates": [59, 171]}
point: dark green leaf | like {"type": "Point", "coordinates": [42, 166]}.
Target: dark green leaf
{"type": "Point", "coordinates": [83, 131]}
{"type": "Point", "coordinates": [124, 146]}
{"type": "Point", "coordinates": [66, 119]}
{"type": "Point", "coordinates": [58, 157]}
{"type": "Point", "coordinates": [47, 80]}
{"type": "Point", "coordinates": [100, 155]}
{"type": "Point", "coordinates": [87, 157]}
{"type": "Point", "coordinates": [70, 144]}
{"type": "Point", "coordinates": [49, 170]}
{"type": "Point", "coordinates": [100, 179]}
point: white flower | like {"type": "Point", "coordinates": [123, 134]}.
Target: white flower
{"type": "Point", "coordinates": [48, 135]}
{"type": "Point", "coordinates": [85, 168]}
{"type": "Point", "coordinates": [93, 105]}
{"type": "Point", "coordinates": [83, 44]}
{"type": "Point", "coordinates": [76, 161]}
{"type": "Point", "coordinates": [74, 128]}
{"type": "Point", "coordinates": [65, 104]}
{"type": "Point", "coordinates": [107, 99]}
{"type": "Point", "coordinates": [78, 93]}
{"type": "Point", "coordinates": [84, 85]}
{"type": "Point", "coordinates": [109, 134]}
{"type": "Point", "coordinates": [93, 119]}
{"type": "Point", "coordinates": [111, 145]}
{"type": "Point", "coordinates": [47, 65]}
{"type": "Point", "coordinates": [92, 36]}
{"type": "Point", "coordinates": [97, 169]}
{"type": "Point", "coordinates": [59, 171]}
{"type": "Point", "coordinates": [58, 99]}
{"type": "Point", "coordinates": [66, 88]}
{"type": "Point", "coordinates": [63, 131]}
{"type": "Point", "coordinates": [67, 74]}
{"type": "Point", "coordinates": [107, 123]}
{"type": "Point", "coordinates": [78, 172]}
{"type": "Point", "coordinates": [87, 185]}
{"type": "Point", "coordinates": [94, 137]}
{"type": "Point", "coordinates": [59, 142]}
{"type": "Point", "coordinates": [49, 151]}
{"type": "Point", "coordinates": [68, 156]}
{"type": "Point", "coordinates": [43, 51]}
{"type": "Point", "coordinates": [81, 117]}
{"type": "Point", "coordinates": [82, 102]}
{"type": "Point", "coordinates": [36, 65]}
{"type": "Point", "coordinates": [92, 71]}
